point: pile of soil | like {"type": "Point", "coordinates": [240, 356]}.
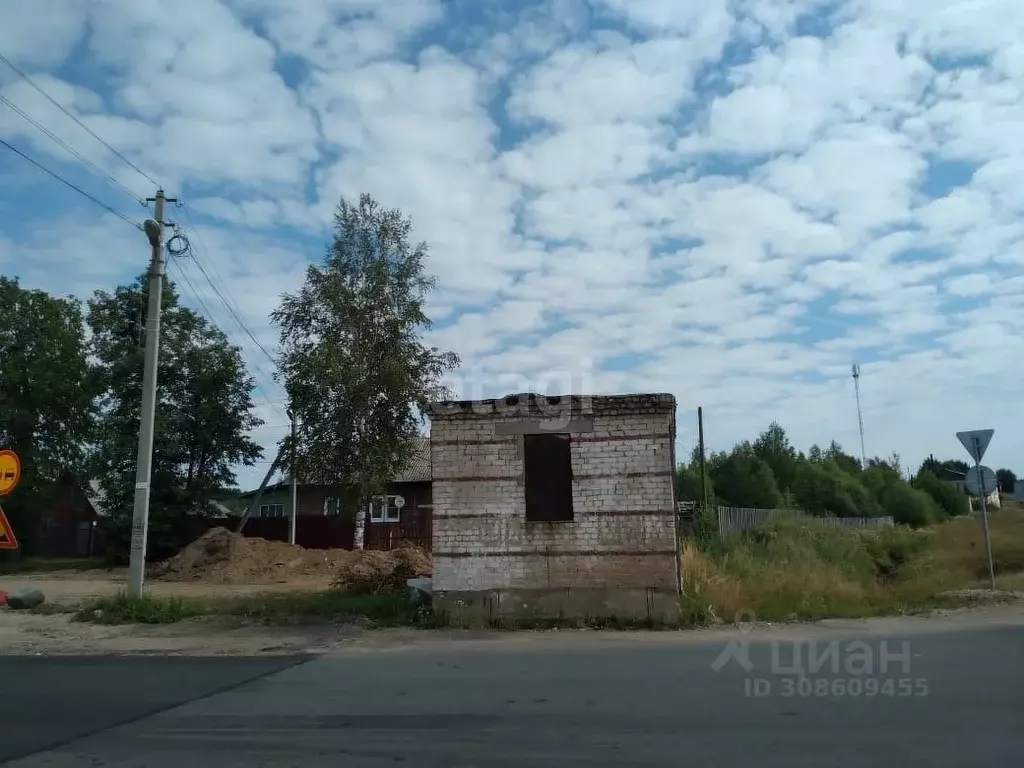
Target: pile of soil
{"type": "Point", "coordinates": [221, 556]}
{"type": "Point", "coordinates": [371, 572]}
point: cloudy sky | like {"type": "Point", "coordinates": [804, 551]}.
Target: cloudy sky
{"type": "Point", "coordinates": [729, 200]}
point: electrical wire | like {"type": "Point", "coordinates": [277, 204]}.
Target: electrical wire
{"type": "Point", "coordinates": [209, 315]}
{"type": "Point", "coordinates": [88, 163]}
{"type": "Point", "coordinates": [61, 107]}
{"type": "Point", "coordinates": [223, 298]}
{"type": "Point", "coordinates": [67, 183]}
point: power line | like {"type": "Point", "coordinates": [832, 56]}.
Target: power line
{"type": "Point", "coordinates": [67, 183]}
{"type": "Point", "coordinates": [92, 133]}
{"type": "Point", "coordinates": [206, 309]}
{"type": "Point", "coordinates": [92, 166]}
{"type": "Point", "coordinates": [223, 298]}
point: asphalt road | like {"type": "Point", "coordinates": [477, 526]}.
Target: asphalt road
{"type": "Point", "coordinates": [955, 699]}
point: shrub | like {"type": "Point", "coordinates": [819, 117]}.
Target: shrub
{"type": "Point", "coordinates": [952, 501]}
{"type": "Point", "coordinates": [909, 506]}
{"type": "Point", "coordinates": [822, 488]}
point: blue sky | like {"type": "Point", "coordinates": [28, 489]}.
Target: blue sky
{"type": "Point", "coordinates": [729, 200]}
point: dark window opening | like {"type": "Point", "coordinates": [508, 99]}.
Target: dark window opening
{"type": "Point", "coordinates": [548, 470]}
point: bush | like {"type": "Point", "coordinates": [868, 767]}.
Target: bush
{"type": "Point", "coordinates": [952, 501]}
{"type": "Point", "coordinates": [822, 488]}
{"type": "Point", "coordinates": [909, 506]}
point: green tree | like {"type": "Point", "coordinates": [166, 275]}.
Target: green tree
{"type": "Point", "coordinates": [352, 358]}
{"type": "Point", "coordinates": [773, 448]}
{"type": "Point", "coordinates": [204, 414]}
{"type": "Point", "coordinates": [952, 501]}
{"type": "Point", "coordinates": [824, 489]}
{"type": "Point", "coordinates": [742, 479]}
{"type": "Point", "coordinates": [894, 462]}
{"type": "Point", "coordinates": [1007, 480]}
{"type": "Point", "coordinates": [844, 461]}
{"type": "Point", "coordinates": [909, 506]}
{"type": "Point", "coordinates": [46, 400]}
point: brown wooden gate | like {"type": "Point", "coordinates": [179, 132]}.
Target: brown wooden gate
{"type": "Point", "coordinates": [415, 526]}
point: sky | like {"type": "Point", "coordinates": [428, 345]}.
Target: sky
{"type": "Point", "coordinates": [730, 200]}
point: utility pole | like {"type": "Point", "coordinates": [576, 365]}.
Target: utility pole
{"type": "Point", "coordinates": [860, 416]}
{"type": "Point", "coordinates": [295, 482]}
{"type": "Point", "coordinates": [154, 229]}
{"type": "Point", "coordinates": [703, 473]}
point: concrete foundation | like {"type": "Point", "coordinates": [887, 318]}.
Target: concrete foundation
{"type": "Point", "coordinates": [656, 605]}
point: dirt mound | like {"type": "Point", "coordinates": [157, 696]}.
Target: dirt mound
{"type": "Point", "coordinates": [221, 556]}
{"type": "Point", "coordinates": [371, 572]}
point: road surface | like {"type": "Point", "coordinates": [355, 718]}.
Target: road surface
{"type": "Point", "coordinates": [955, 698]}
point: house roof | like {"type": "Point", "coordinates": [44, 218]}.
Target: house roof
{"type": "Point", "coordinates": [97, 499]}
{"type": "Point", "coordinates": [418, 471]}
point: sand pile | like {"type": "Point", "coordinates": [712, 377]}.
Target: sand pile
{"type": "Point", "coordinates": [221, 556]}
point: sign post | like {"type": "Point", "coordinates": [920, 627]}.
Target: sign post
{"type": "Point", "coordinates": [10, 474]}
{"type": "Point", "coordinates": [976, 442]}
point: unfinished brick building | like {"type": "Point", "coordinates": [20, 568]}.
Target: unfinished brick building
{"type": "Point", "coordinates": [553, 507]}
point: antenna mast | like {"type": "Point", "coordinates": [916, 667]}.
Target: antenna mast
{"type": "Point", "coordinates": [860, 416]}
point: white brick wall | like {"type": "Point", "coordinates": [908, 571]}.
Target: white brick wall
{"type": "Point", "coordinates": [623, 528]}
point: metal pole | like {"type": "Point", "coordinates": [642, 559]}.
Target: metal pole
{"type": "Point", "coordinates": [703, 473]}
{"type": "Point", "coordinates": [860, 416]}
{"type": "Point", "coordinates": [154, 229]}
{"type": "Point", "coordinates": [295, 482]}
{"type": "Point", "coordinates": [984, 524]}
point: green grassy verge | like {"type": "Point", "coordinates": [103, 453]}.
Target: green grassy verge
{"type": "Point", "coordinates": [798, 570]}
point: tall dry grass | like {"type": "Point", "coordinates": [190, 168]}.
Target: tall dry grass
{"type": "Point", "coordinates": [796, 569]}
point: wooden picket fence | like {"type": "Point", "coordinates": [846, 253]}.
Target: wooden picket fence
{"type": "Point", "coordinates": [733, 519]}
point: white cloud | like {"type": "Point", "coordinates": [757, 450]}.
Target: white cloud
{"type": "Point", "coordinates": [727, 200]}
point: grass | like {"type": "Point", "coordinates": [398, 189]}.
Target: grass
{"type": "Point", "coordinates": [795, 569]}
{"type": "Point", "coordinates": [49, 564]}
{"type": "Point", "coordinates": [285, 608]}
{"type": "Point", "coordinates": [122, 609]}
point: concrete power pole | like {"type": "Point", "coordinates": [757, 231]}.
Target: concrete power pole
{"type": "Point", "coordinates": [154, 229]}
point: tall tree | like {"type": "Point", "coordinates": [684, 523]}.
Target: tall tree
{"type": "Point", "coordinates": [352, 357]}
{"type": "Point", "coordinates": [774, 449]}
{"type": "Point", "coordinates": [742, 479]}
{"type": "Point", "coordinates": [1007, 480]}
{"type": "Point", "coordinates": [46, 399]}
{"type": "Point", "coordinates": [844, 461]}
{"type": "Point", "coordinates": [204, 414]}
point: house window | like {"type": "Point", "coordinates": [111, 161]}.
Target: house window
{"type": "Point", "coordinates": [332, 506]}
{"type": "Point", "coordinates": [548, 470]}
{"type": "Point", "coordinates": [384, 510]}
{"type": "Point", "coordinates": [271, 510]}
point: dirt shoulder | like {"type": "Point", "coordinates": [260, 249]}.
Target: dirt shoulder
{"type": "Point", "coordinates": [33, 634]}
{"type": "Point", "coordinates": [75, 586]}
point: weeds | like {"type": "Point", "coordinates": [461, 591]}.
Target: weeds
{"type": "Point", "coordinates": [122, 609]}
{"type": "Point", "coordinates": [797, 569]}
